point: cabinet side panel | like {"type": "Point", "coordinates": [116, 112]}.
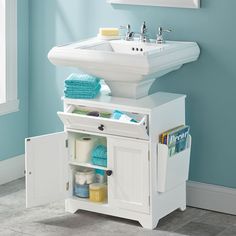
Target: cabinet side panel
{"type": "Point", "coordinates": [162, 119]}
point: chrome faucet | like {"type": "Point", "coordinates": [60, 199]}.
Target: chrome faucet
{"type": "Point", "coordinates": [160, 38]}
{"type": "Point", "coordinates": [143, 33]}
{"type": "Point", "coordinates": [130, 35]}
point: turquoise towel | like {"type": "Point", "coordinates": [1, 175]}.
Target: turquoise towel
{"type": "Point", "coordinates": [76, 89]}
{"type": "Point", "coordinates": [82, 80]}
{"type": "Point", "coordinates": [83, 91]}
{"type": "Point", "coordinates": [100, 152]}
{"type": "Point", "coordinates": [82, 94]}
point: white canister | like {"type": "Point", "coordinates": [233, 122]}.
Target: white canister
{"type": "Point", "coordinates": [83, 148]}
{"type": "Point", "coordinates": [85, 176]}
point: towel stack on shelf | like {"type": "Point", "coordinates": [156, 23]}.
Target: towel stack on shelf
{"type": "Point", "coordinates": [99, 155]}
{"type": "Point", "coordinates": [82, 86]}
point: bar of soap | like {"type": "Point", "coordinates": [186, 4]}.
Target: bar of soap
{"type": "Point", "coordinates": [109, 32]}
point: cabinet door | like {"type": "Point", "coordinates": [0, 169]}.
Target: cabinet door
{"type": "Point", "coordinates": [46, 169]}
{"type": "Point", "coordinates": [128, 186]}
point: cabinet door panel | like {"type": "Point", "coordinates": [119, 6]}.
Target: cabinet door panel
{"type": "Point", "coordinates": [46, 169]}
{"type": "Point", "coordinates": [128, 186]}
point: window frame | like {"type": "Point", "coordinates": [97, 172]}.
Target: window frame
{"type": "Point", "coordinates": [8, 62]}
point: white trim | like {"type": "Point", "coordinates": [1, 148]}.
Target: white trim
{"type": "Point", "coordinates": [211, 197]}
{"type": "Point", "coordinates": [9, 107]}
{"type": "Point", "coordinates": [160, 3]}
{"type": "Point", "coordinates": [12, 169]}
{"type": "Point", "coordinates": [8, 70]}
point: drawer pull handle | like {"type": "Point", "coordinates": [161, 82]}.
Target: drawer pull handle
{"type": "Point", "coordinates": [101, 127]}
{"type": "Point", "coordinates": [109, 172]}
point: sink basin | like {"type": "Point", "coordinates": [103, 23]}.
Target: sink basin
{"type": "Point", "coordinates": [129, 68]}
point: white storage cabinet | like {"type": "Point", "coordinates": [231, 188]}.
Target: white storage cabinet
{"type": "Point", "coordinates": [143, 183]}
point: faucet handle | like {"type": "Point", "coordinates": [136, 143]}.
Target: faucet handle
{"type": "Point", "coordinates": [161, 31]}
{"type": "Point", "coordinates": [127, 27]}
{"type": "Point", "coordinates": [128, 35]}
{"type": "Point", "coordinates": [144, 28]}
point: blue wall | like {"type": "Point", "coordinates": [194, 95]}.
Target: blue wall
{"type": "Point", "coordinates": [14, 127]}
{"type": "Point", "coordinates": [51, 23]}
{"type": "Point", "coordinates": [209, 83]}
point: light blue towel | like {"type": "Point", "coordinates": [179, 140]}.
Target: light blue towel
{"type": "Point", "coordinates": [84, 89]}
{"type": "Point", "coordinates": [81, 96]}
{"type": "Point", "coordinates": [82, 80]}
{"type": "Point", "coordinates": [82, 86]}
{"type": "Point", "coordinates": [82, 93]}
{"type": "Point", "coordinates": [100, 152]}
{"type": "Point", "coordinates": [117, 115]}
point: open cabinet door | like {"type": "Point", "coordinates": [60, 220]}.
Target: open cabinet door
{"type": "Point", "coordinates": [46, 169]}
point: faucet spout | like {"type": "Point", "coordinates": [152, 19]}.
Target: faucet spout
{"type": "Point", "coordinates": [143, 34]}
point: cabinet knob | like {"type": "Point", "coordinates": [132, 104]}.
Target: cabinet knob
{"type": "Point", "coordinates": [101, 127]}
{"type": "Point", "coordinates": [109, 172]}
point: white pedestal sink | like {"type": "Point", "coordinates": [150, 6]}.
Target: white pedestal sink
{"type": "Point", "coordinates": [128, 67]}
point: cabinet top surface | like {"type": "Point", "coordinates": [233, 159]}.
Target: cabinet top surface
{"type": "Point", "coordinates": [145, 104]}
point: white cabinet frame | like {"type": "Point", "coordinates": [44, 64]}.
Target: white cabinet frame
{"type": "Point", "coordinates": [160, 3]}
{"type": "Point", "coordinates": [134, 190]}
{"type": "Point", "coordinates": [8, 57]}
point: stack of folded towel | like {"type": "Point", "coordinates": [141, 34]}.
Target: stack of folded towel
{"type": "Point", "coordinates": [82, 86]}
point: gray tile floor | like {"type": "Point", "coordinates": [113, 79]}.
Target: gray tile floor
{"type": "Point", "coordinates": [52, 220]}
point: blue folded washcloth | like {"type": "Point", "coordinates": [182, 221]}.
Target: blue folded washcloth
{"type": "Point", "coordinates": [78, 89]}
{"type": "Point", "coordinates": [82, 94]}
{"type": "Point", "coordinates": [99, 155]}
{"type": "Point", "coordinates": [100, 152]}
{"type": "Point", "coordinates": [82, 86]}
{"type": "Point", "coordinates": [82, 80]}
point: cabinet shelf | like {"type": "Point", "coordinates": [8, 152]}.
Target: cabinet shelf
{"type": "Point", "coordinates": [88, 165]}
{"type": "Point", "coordinates": [87, 201]}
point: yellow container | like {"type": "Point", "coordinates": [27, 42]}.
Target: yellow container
{"type": "Point", "coordinates": [97, 192]}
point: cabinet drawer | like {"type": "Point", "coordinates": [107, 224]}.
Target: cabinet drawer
{"type": "Point", "coordinates": [106, 125]}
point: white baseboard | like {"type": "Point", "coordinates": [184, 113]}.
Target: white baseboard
{"type": "Point", "coordinates": [211, 197]}
{"type": "Point", "coordinates": [12, 169]}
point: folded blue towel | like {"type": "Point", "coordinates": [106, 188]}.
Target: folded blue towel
{"type": "Point", "coordinates": [76, 89]}
{"type": "Point", "coordinates": [83, 94]}
{"type": "Point", "coordinates": [82, 91]}
{"type": "Point", "coordinates": [100, 152]}
{"type": "Point", "coordinates": [82, 80]}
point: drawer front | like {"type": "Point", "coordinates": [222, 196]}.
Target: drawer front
{"type": "Point", "coordinates": [107, 126]}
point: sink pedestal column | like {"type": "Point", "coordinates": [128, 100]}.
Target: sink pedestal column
{"type": "Point", "coordinates": [137, 89]}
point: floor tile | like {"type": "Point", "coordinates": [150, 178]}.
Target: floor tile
{"type": "Point", "coordinates": [178, 219]}
{"type": "Point", "coordinates": [52, 220]}
{"type": "Point", "coordinates": [231, 231]}
{"type": "Point", "coordinates": [8, 232]}
{"type": "Point", "coordinates": [15, 186]}
{"type": "Point", "coordinates": [200, 229]}
{"type": "Point", "coordinates": [215, 218]}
